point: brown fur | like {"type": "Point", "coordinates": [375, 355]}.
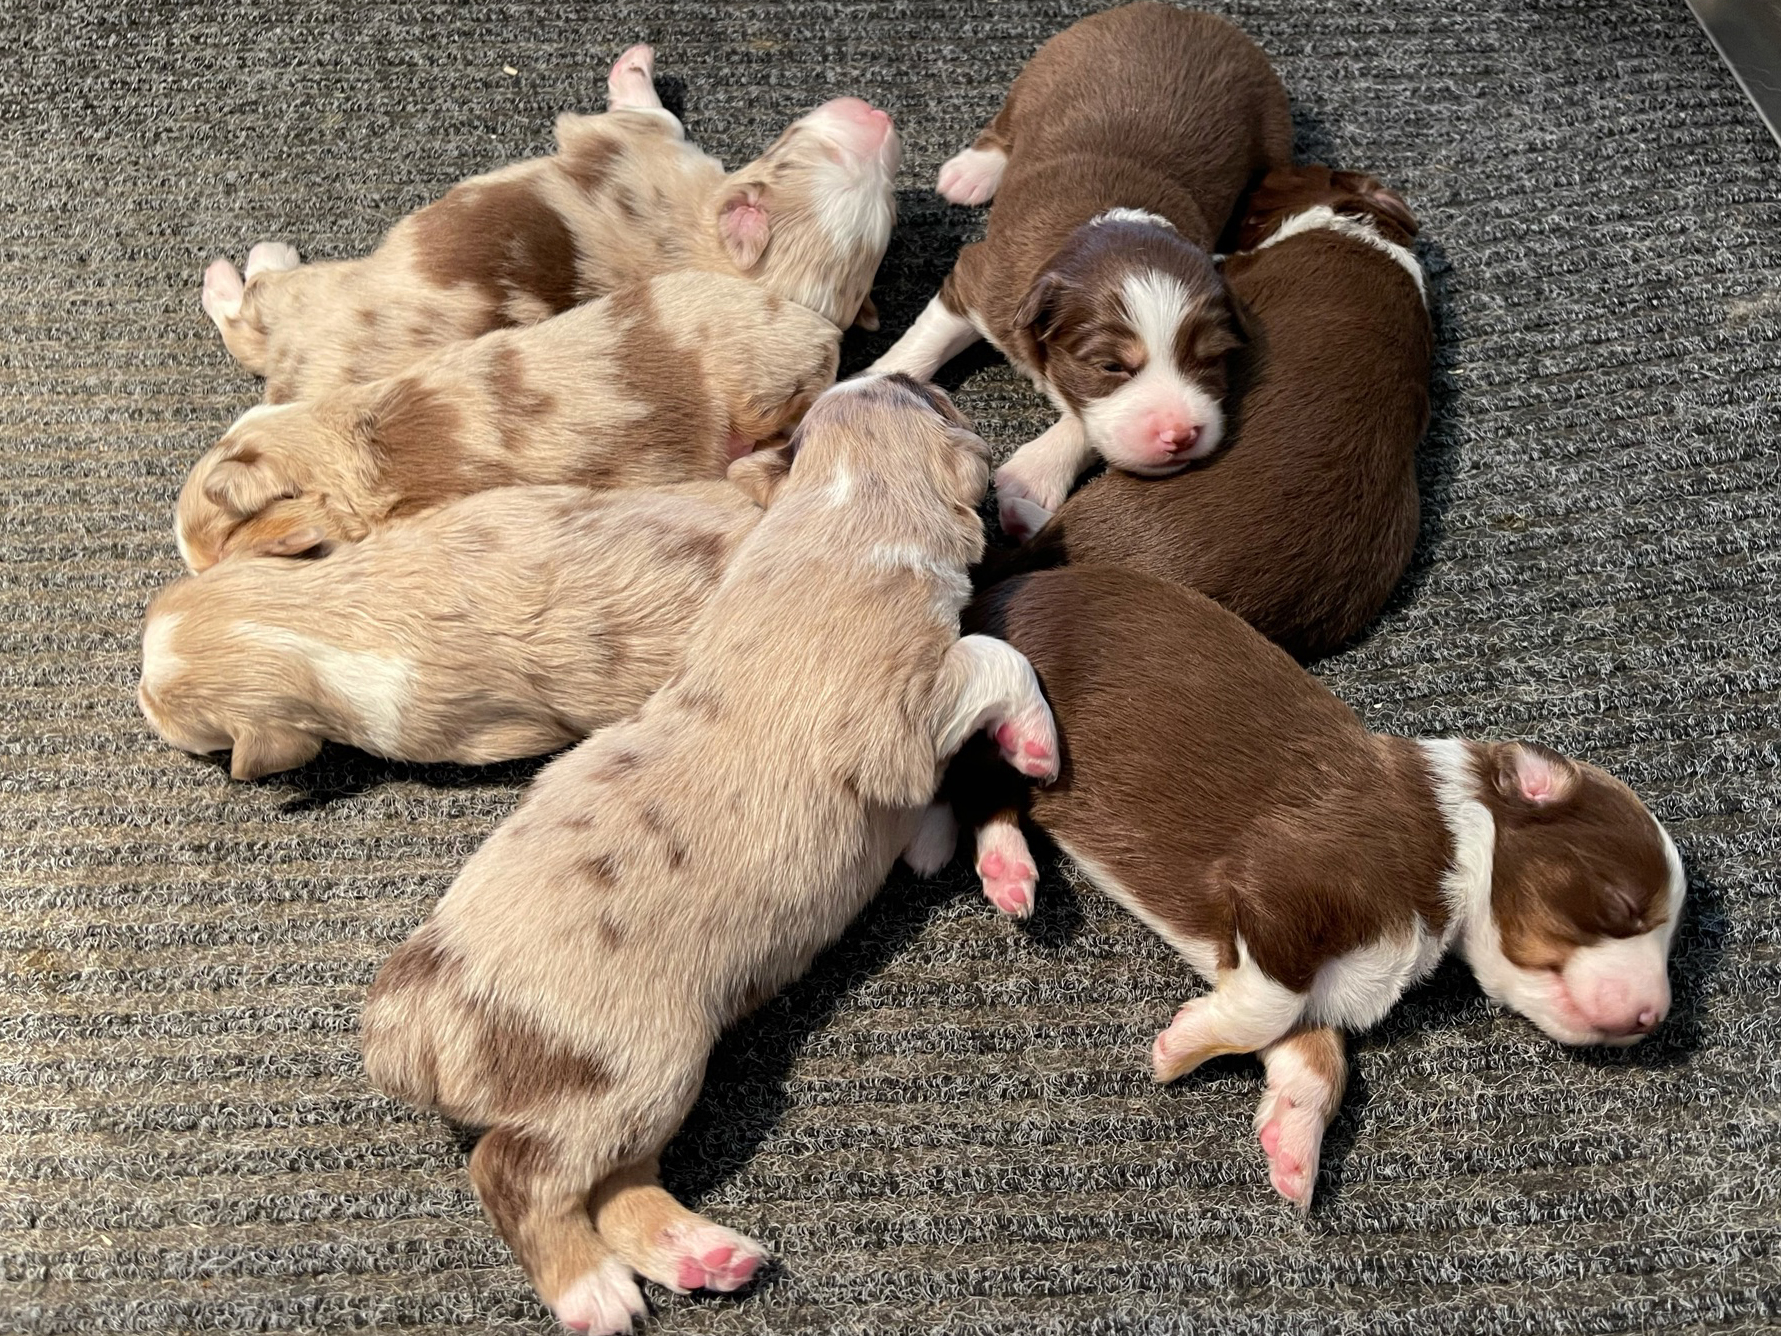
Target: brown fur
{"type": "Point", "coordinates": [1303, 524]}
{"type": "Point", "coordinates": [1144, 107]}
{"type": "Point", "coordinates": [729, 849]}
{"type": "Point", "coordinates": [519, 620]}
{"type": "Point", "coordinates": [666, 382]}
{"type": "Point", "coordinates": [624, 199]}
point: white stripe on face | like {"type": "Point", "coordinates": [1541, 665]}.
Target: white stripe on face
{"type": "Point", "coordinates": [1159, 421]}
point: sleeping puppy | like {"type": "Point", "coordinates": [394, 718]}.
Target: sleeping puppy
{"type": "Point", "coordinates": [665, 381]}
{"type": "Point", "coordinates": [624, 198]}
{"type": "Point", "coordinates": [677, 869]}
{"type": "Point", "coordinates": [1115, 164]}
{"type": "Point", "coordinates": [1309, 870]}
{"type": "Point", "coordinates": [1304, 522]}
{"type": "Point", "coordinates": [506, 624]}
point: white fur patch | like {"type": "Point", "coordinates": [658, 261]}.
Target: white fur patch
{"type": "Point", "coordinates": [1354, 991]}
{"type": "Point", "coordinates": [1156, 304]}
{"type": "Point", "coordinates": [999, 684]}
{"type": "Point", "coordinates": [1363, 230]}
{"type": "Point", "coordinates": [1199, 952]}
{"type": "Point", "coordinates": [376, 688]}
{"type": "Point", "coordinates": [159, 663]}
{"type": "Point", "coordinates": [936, 337]}
{"type": "Point", "coordinates": [1131, 216]}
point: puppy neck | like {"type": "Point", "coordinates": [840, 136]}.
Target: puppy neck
{"type": "Point", "coordinates": [1472, 836]}
{"type": "Point", "coordinates": [1322, 217]}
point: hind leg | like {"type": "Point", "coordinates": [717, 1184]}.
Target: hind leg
{"type": "Point", "coordinates": [535, 1189]}
{"type": "Point", "coordinates": [974, 176]}
{"type": "Point", "coordinates": [664, 1241]}
{"type": "Point", "coordinates": [1307, 1073]}
{"type": "Point", "coordinates": [630, 84]}
{"type": "Point", "coordinates": [1247, 1011]}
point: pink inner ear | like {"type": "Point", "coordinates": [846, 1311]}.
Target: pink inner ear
{"type": "Point", "coordinates": [1540, 779]}
{"type": "Point", "coordinates": [745, 230]}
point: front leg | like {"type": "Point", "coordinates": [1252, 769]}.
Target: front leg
{"type": "Point", "coordinates": [938, 335]}
{"type": "Point", "coordinates": [1246, 1012]}
{"type": "Point", "coordinates": [1307, 1073]}
{"type": "Point", "coordinates": [986, 683]}
{"type": "Point", "coordinates": [1033, 484]}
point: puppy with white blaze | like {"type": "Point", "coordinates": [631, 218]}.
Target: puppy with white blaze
{"type": "Point", "coordinates": [1115, 164]}
{"type": "Point", "coordinates": [624, 198]}
{"type": "Point", "coordinates": [1309, 870]}
{"type": "Point", "coordinates": [678, 868]}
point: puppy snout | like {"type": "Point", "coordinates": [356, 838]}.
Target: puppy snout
{"type": "Point", "coordinates": [859, 125]}
{"type": "Point", "coordinates": [1628, 1009]}
{"type": "Point", "coordinates": [1170, 438]}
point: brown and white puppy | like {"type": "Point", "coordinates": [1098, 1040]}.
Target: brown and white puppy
{"type": "Point", "coordinates": [623, 199]}
{"type": "Point", "coordinates": [1310, 870]}
{"type": "Point", "coordinates": [1304, 522]}
{"type": "Point", "coordinates": [1115, 164]}
{"type": "Point", "coordinates": [665, 381]}
{"type": "Point", "coordinates": [678, 868]}
{"type": "Point", "coordinates": [506, 624]}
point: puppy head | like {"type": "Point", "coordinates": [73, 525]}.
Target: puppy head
{"type": "Point", "coordinates": [1288, 191]}
{"type": "Point", "coordinates": [1586, 894]}
{"type": "Point", "coordinates": [810, 218]}
{"type": "Point", "coordinates": [1132, 327]}
{"type": "Point", "coordinates": [206, 689]}
{"type": "Point", "coordinates": [253, 491]}
{"type": "Point", "coordinates": [897, 448]}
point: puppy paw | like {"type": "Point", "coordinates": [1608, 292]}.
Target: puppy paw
{"type": "Point", "coordinates": [1024, 504]}
{"type": "Point", "coordinates": [604, 1302]}
{"type": "Point", "coordinates": [1028, 742]}
{"type": "Point", "coordinates": [1005, 864]}
{"type": "Point", "coordinates": [223, 289]}
{"type": "Point", "coordinates": [631, 81]}
{"type": "Point", "coordinates": [1292, 1138]}
{"type": "Point", "coordinates": [709, 1257]}
{"type": "Point", "coordinates": [972, 177]}
{"type": "Point", "coordinates": [271, 257]}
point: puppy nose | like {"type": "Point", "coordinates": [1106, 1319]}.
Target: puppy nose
{"type": "Point", "coordinates": [864, 124]}
{"type": "Point", "coordinates": [1177, 438]}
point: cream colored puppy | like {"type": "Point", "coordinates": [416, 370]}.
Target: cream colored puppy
{"type": "Point", "coordinates": [678, 868]}
{"type": "Point", "coordinates": [506, 624]}
{"type": "Point", "coordinates": [624, 198]}
{"type": "Point", "coordinates": [666, 381]}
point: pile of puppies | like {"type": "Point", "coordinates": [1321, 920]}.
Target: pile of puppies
{"type": "Point", "coordinates": [523, 476]}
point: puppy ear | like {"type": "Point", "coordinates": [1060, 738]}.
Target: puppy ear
{"type": "Point", "coordinates": [970, 465]}
{"type": "Point", "coordinates": [1525, 773]}
{"type": "Point", "coordinates": [759, 474]}
{"type": "Point", "coordinates": [867, 316]}
{"type": "Point", "coordinates": [245, 486]}
{"type": "Point", "coordinates": [1386, 205]}
{"type": "Point", "coordinates": [265, 749]}
{"type": "Point", "coordinates": [744, 225]}
{"type": "Point", "coordinates": [287, 528]}
{"type": "Point", "coordinates": [1035, 312]}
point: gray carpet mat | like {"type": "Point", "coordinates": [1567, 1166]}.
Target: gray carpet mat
{"type": "Point", "coordinates": [949, 1126]}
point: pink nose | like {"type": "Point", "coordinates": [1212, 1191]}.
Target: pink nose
{"type": "Point", "coordinates": [1173, 439]}
{"type": "Point", "coordinates": [864, 123]}
{"type": "Point", "coordinates": [1623, 1009]}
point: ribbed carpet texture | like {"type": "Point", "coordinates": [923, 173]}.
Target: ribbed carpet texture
{"type": "Point", "coordinates": [949, 1126]}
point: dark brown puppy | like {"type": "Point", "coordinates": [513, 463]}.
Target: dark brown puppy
{"type": "Point", "coordinates": [1305, 521]}
{"type": "Point", "coordinates": [1311, 870]}
{"type": "Point", "coordinates": [1115, 163]}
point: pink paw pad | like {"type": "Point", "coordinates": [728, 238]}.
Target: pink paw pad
{"type": "Point", "coordinates": [1008, 874]}
{"type": "Point", "coordinates": [716, 1259]}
